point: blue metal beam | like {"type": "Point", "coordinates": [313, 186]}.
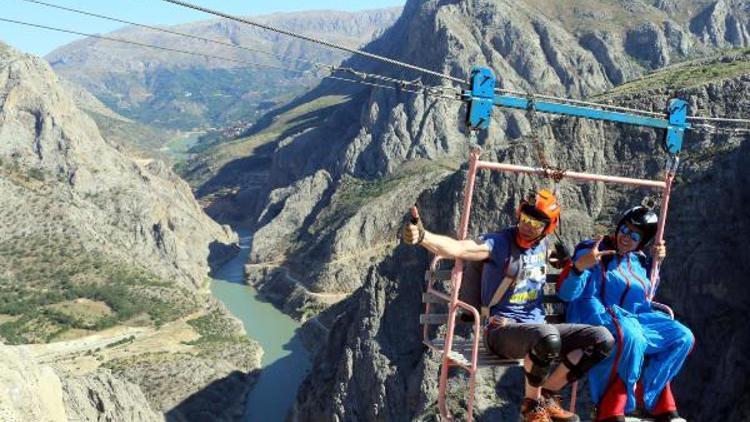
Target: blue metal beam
{"type": "Point", "coordinates": [481, 98]}
{"type": "Point", "coordinates": [579, 111]}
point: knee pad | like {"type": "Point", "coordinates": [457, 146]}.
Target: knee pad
{"type": "Point", "coordinates": [544, 352]}
{"type": "Point", "coordinates": [591, 356]}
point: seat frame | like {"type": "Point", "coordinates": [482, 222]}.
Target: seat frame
{"type": "Point", "coordinates": [470, 359]}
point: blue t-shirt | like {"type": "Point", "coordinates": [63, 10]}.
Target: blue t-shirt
{"type": "Point", "coordinates": [522, 302]}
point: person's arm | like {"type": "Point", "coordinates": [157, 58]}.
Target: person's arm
{"type": "Point", "coordinates": [658, 252]}
{"type": "Point", "coordinates": [469, 250]}
{"type": "Point", "coordinates": [583, 260]}
{"type": "Point", "coordinates": [572, 285]}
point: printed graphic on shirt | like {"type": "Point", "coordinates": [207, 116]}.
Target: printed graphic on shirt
{"type": "Point", "coordinates": [529, 280]}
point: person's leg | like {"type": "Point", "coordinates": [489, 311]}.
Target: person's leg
{"type": "Point", "coordinates": [583, 346]}
{"type": "Point", "coordinates": [538, 345]}
{"type": "Point", "coordinates": [613, 380]}
{"type": "Point", "coordinates": [669, 343]}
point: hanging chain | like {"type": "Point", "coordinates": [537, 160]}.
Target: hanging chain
{"type": "Point", "coordinates": [552, 172]}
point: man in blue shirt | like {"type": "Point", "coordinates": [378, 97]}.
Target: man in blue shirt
{"type": "Point", "coordinates": [513, 275]}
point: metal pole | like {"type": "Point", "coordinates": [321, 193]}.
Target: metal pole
{"type": "Point", "coordinates": [572, 175]}
{"type": "Point", "coordinates": [668, 179]}
{"type": "Point", "coordinates": [456, 285]}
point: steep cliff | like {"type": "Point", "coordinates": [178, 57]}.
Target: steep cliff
{"type": "Point", "coordinates": [144, 214]}
{"type": "Point", "coordinates": [106, 256]}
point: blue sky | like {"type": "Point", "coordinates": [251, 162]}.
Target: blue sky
{"type": "Point", "coordinates": [41, 42]}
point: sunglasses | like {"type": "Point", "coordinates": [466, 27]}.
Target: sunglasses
{"type": "Point", "coordinates": [630, 232]}
{"type": "Point", "coordinates": [533, 222]}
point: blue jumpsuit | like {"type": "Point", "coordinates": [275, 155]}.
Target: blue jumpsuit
{"type": "Point", "coordinates": [615, 293]}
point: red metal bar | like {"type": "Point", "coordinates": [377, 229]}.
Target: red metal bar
{"type": "Point", "coordinates": [669, 178]}
{"type": "Point", "coordinates": [474, 359]}
{"type": "Point", "coordinates": [572, 175]}
{"type": "Point", "coordinates": [456, 286]}
{"type": "Point", "coordinates": [434, 265]}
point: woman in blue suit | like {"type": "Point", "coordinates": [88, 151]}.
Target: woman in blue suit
{"type": "Point", "coordinates": [609, 285]}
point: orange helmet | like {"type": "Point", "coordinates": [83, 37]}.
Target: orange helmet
{"type": "Point", "coordinates": [542, 205]}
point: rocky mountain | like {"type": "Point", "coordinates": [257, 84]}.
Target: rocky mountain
{"type": "Point", "coordinates": [107, 256]}
{"type": "Point", "coordinates": [180, 91]}
{"type": "Point", "coordinates": [336, 191]}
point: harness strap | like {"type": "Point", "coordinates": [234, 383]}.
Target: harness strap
{"type": "Point", "coordinates": [498, 296]}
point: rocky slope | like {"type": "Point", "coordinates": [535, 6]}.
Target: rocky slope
{"type": "Point", "coordinates": [107, 255]}
{"type": "Point", "coordinates": [144, 213]}
{"type": "Point", "coordinates": [135, 139]}
{"type": "Point", "coordinates": [174, 90]}
{"type": "Point", "coordinates": [98, 396]}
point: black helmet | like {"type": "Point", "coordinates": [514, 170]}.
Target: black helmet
{"type": "Point", "coordinates": [643, 219]}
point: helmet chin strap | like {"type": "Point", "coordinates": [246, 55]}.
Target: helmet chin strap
{"type": "Point", "coordinates": [527, 243]}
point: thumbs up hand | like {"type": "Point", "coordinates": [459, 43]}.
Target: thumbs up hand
{"type": "Point", "coordinates": [413, 229]}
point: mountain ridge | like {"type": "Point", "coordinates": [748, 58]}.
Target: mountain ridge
{"type": "Point", "coordinates": [179, 91]}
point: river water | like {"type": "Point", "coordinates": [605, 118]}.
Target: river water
{"type": "Point", "coordinates": [285, 361]}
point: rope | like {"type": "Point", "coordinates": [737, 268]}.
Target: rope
{"type": "Point", "coordinates": [579, 102]}
{"type": "Point", "coordinates": [319, 41]}
{"type": "Point", "coordinates": [397, 88]}
{"type": "Point", "coordinates": [427, 91]}
{"type": "Point", "coordinates": [168, 31]}
{"type": "Point", "coordinates": [719, 119]}
{"type": "Point", "coordinates": [417, 83]}
{"type": "Point", "coordinates": [174, 50]}
{"type": "Point", "coordinates": [727, 131]}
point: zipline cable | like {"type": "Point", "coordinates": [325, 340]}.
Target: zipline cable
{"type": "Point", "coordinates": [174, 50]}
{"type": "Point", "coordinates": [319, 41]}
{"type": "Point", "coordinates": [168, 31]}
{"type": "Point", "coordinates": [436, 92]}
{"type": "Point", "coordinates": [332, 68]}
{"type": "Point", "coordinates": [417, 83]}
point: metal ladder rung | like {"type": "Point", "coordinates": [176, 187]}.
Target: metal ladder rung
{"type": "Point", "coordinates": [461, 354]}
{"type": "Point", "coordinates": [431, 298]}
{"type": "Point", "coordinates": [433, 319]}
{"type": "Point", "coordinates": [438, 275]}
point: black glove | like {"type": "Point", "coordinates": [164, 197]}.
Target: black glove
{"type": "Point", "coordinates": [560, 256]}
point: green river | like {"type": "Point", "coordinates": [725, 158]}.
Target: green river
{"type": "Point", "coordinates": [285, 360]}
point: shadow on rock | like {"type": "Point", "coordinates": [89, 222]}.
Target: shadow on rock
{"type": "Point", "coordinates": [222, 400]}
{"type": "Point", "coordinates": [219, 254]}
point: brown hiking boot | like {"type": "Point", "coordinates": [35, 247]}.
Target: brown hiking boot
{"type": "Point", "coordinates": [552, 403]}
{"type": "Point", "coordinates": [534, 411]}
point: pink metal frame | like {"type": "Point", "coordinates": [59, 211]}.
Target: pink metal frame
{"type": "Point", "coordinates": [454, 304]}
